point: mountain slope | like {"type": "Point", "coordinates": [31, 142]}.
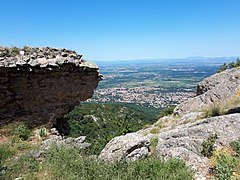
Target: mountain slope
{"type": "Point", "coordinates": [185, 134]}
{"type": "Point", "coordinates": [101, 122]}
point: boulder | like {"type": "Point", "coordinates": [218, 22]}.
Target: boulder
{"type": "Point", "coordinates": [131, 146]}
{"type": "Point", "coordinates": [58, 141]}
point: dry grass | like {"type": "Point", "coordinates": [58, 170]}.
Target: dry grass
{"type": "Point", "coordinates": [6, 131]}
{"type": "Point", "coordinates": [155, 130]}
{"type": "Point", "coordinates": [215, 110]}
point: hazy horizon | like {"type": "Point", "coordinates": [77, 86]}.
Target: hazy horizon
{"type": "Point", "coordinates": [169, 58]}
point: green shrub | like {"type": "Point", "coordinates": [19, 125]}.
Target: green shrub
{"type": "Point", "coordinates": [167, 111]}
{"type": "Point", "coordinates": [230, 65]}
{"type": "Point", "coordinates": [223, 68]}
{"type": "Point", "coordinates": [5, 153]}
{"type": "Point", "coordinates": [43, 132]}
{"type": "Point", "coordinates": [236, 146]}
{"type": "Point", "coordinates": [153, 145]}
{"type": "Point", "coordinates": [70, 163]}
{"type": "Point", "coordinates": [208, 145]}
{"type": "Point", "coordinates": [15, 51]}
{"type": "Point", "coordinates": [224, 166]}
{"type": "Point", "coordinates": [22, 132]}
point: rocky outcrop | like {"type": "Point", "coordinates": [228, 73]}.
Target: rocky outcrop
{"type": "Point", "coordinates": [132, 146]}
{"type": "Point", "coordinates": [40, 85]}
{"type": "Point", "coordinates": [182, 141]}
{"type": "Point", "coordinates": [214, 90]}
{"type": "Point", "coordinates": [185, 141]}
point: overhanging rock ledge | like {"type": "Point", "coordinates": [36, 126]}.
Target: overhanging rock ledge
{"type": "Point", "coordinates": [40, 85]}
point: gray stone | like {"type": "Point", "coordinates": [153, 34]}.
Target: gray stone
{"type": "Point", "coordinates": [138, 153]}
{"type": "Point", "coordinates": [20, 62]}
{"type": "Point", "coordinates": [131, 146]}
{"type": "Point", "coordinates": [21, 53]}
{"type": "Point", "coordinates": [54, 131]}
{"type": "Point", "coordinates": [36, 153]}
{"type": "Point", "coordinates": [33, 62]}
{"type": "Point", "coordinates": [80, 139]}
{"type": "Point", "coordinates": [214, 90]}
{"type": "Point", "coordinates": [185, 141]}
{"type": "Point", "coordinates": [58, 141]}
{"type": "Point", "coordinates": [181, 141]}
{"type": "Point", "coordinates": [191, 117]}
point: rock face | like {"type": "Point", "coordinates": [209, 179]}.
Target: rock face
{"type": "Point", "coordinates": [40, 85]}
{"type": "Point", "coordinates": [185, 141]}
{"type": "Point", "coordinates": [216, 89]}
{"type": "Point", "coordinates": [132, 146]}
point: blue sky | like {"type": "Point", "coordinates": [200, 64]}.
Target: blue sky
{"type": "Point", "coordinates": [125, 29]}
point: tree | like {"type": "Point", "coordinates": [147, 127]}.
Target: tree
{"type": "Point", "coordinates": [238, 62]}
{"type": "Point", "coordinates": [231, 65]}
{"type": "Point", "coordinates": [223, 67]}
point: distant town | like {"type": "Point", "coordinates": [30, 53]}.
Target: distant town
{"type": "Point", "coordinates": [141, 95]}
{"type": "Point", "coordinates": [152, 83]}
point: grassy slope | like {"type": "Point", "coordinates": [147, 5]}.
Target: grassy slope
{"type": "Point", "coordinates": [65, 163]}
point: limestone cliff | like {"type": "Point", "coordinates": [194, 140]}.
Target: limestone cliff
{"type": "Point", "coordinates": [39, 85]}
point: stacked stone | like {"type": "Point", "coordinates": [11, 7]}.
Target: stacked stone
{"type": "Point", "coordinates": [42, 84]}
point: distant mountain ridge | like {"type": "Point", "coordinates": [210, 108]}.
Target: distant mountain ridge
{"type": "Point", "coordinates": [219, 60]}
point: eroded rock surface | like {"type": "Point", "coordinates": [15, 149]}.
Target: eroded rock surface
{"type": "Point", "coordinates": [185, 141]}
{"type": "Point", "coordinates": [214, 90]}
{"type": "Point", "coordinates": [40, 85]}
{"type": "Point", "coordinates": [132, 146]}
{"type": "Point", "coordinates": [182, 141]}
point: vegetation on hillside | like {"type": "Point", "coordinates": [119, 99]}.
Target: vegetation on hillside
{"type": "Point", "coordinates": [229, 65]}
{"type": "Point", "coordinates": [102, 122]}
{"type": "Point", "coordinates": [166, 111]}
{"type": "Point", "coordinates": [69, 163]}
{"type": "Point", "coordinates": [9, 52]}
{"type": "Point", "coordinates": [225, 164]}
{"type": "Point", "coordinates": [60, 162]}
{"type": "Point", "coordinates": [208, 145]}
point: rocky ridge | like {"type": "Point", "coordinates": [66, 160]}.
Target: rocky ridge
{"type": "Point", "coordinates": [40, 85]}
{"type": "Point", "coordinates": [181, 135]}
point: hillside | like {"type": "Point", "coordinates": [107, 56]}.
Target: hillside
{"type": "Point", "coordinates": [208, 144]}
{"type": "Point", "coordinates": [102, 122]}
